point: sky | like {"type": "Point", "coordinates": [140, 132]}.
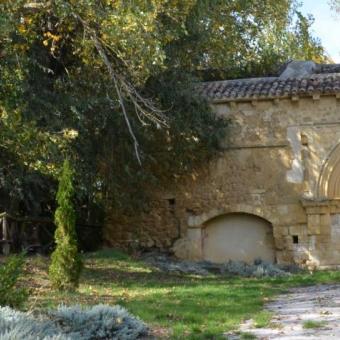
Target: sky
{"type": "Point", "coordinates": [326, 26]}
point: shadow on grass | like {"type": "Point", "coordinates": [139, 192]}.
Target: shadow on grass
{"type": "Point", "coordinates": [188, 306]}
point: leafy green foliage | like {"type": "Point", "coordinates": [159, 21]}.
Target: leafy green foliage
{"type": "Point", "coordinates": [335, 5]}
{"type": "Point", "coordinates": [10, 272]}
{"type": "Point", "coordinates": [235, 39]}
{"type": "Point", "coordinates": [106, 81]}
{"type": "Point", "coordinates": [66, 263]}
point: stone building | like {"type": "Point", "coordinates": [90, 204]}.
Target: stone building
{"type": "Point", "coordinates": [273, 192]}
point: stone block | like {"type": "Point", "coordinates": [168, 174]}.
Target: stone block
{"type": "Point", "coordinates": [304, 239]}
{"type": "Point", "coordinates": [284, 257]}
{"type": "Point", "coordinates": [297, 229]}
{"type": "Point", "coordinates": [194, 239]}
{"type": "Point", "coordinates": [280, 243]}
{"type": "Point", "coordinates": [314, 224]}
{"type": "Point", "coordinates": [290, 214]}
{"type": "Point", "coordinates": [325, 224]}
{"type": "Point", "coordinates": [181, 248]}
{"type": "Point", "coordinates": [316, 210]}
{"type": "Point", "coordinates": [325, 220]}
{"type": "Point", "coordinates": [323, 241]}
{"type": "Point", "coordinates": [279, 231]}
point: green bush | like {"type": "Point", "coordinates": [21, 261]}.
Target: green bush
{"type": "Point", "coordinates": [66, 323]}
{"type": "Point", "coordinates": [66, 262]}
{"type": "Point", "coordinates": [10, 271]}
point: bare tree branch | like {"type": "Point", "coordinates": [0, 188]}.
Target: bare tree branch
{"type": "Point", "coordinates": [144, 107]}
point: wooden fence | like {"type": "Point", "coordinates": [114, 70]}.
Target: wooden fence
{"type": "Point", "coordinates": [36, 234]}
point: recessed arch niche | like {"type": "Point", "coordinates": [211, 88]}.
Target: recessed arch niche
{"type": "Point", "coordinates": [238, 237]}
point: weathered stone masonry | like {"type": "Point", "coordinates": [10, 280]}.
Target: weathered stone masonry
{"type": "Point", "coordinates": [280, 164]}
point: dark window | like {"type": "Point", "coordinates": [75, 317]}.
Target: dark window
{"type": "Point", "coordinates": [295, 239]}
{"type": "Point", "coordinates": [171, 202]}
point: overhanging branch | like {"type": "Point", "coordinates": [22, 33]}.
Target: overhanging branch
{"type": "Point", "coordinates": [144, 107]}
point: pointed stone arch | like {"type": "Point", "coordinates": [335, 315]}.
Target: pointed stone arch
{"type": "Point", "coordinates": [329, 180]}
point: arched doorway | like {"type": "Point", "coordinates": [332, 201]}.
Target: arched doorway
{"type": "Point", "coordinates": [329, 181]}
{"type": "Point", "coordinates": [241, 237]}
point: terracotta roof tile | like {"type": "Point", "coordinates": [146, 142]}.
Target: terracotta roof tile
{"type": "Point", "coordinates": [272, 87]}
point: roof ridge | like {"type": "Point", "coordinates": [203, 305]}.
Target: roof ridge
{"type": "Point", "coordinates": [271, 87]}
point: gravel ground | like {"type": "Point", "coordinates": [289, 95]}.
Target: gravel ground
{"type": "Point", "coordinates": [316, 306]}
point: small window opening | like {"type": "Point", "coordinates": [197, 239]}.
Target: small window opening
{"type": "Point", "coordinates": [295, 239]}
{"type": "Point", "coordinates": [171, 202]}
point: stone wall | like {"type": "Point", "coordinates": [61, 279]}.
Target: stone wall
{"type": "Point", "coordinates": [279, 162]}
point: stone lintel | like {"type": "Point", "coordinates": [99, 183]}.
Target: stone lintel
{"type": "Point", "coordinates": [321, 206]}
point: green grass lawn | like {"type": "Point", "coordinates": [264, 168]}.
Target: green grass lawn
{"type": "Point", "coordinates": [174, 306]}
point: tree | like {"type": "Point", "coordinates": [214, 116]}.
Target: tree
{"type": "Point", "coordinates": [335, 5]}
{"type": "Point", "coordinates": [113, 84]}
{"type": "Point", "coordinates": [235, 39]}
{"type": "Point", "coordinates": [66, 263]}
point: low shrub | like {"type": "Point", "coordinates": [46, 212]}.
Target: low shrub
{"type": "Point", "coordinates": [258, 269]}
{"type": "Point", "coordinates": [10, 272]}
{"type": "Point", "coordinates": [99, 322]}
{"type": "Point", "coordinates": [72, 323]}
{"type": "Point", "coordinates": [18, 325]}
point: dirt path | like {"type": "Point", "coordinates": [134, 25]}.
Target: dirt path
{"type": "Point", "coordinates": [317, 307]}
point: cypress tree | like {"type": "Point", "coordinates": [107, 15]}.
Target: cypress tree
{"type": "Point", "coordinates": [66, 262]}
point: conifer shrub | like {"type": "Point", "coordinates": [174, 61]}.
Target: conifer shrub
{"type": "Point", "coordinates": [66, 262]}
{"type": "Point", "coordinates": [10, 272]}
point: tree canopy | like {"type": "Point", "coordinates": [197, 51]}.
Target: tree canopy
{"type": "Point", "coordinates": [111, 84]}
